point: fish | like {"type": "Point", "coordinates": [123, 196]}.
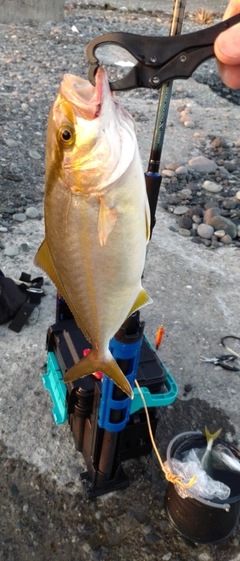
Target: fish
{"type": "Point", "coordinates": [223, 458]}
{"type": "Point", "coordinates": [97, 217]}
{"type": "Point", "coordinates": [207, 457]}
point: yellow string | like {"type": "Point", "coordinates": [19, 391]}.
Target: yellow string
{"type": "Point", "coordinates": [168, 474]}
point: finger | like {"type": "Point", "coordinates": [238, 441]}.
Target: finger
{"type": "Point", "coordinates": [230, 75]}
{"type": "Point", "coordinates": [227, 46]}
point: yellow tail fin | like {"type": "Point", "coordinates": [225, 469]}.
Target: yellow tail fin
{"type": "Point", "coordinates": [90, 364]}
{"type": "Point", "coordinates": [212, 437]}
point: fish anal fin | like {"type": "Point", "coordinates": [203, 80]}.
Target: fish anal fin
{"type": "Point", "coordinates": [106, 221]}
{"type": "Point", "coordinates": [90, 364]}
{"type": "Point", "coordinates": [43, 259]}
{"type": "Point", "coordinates": [142, 300]}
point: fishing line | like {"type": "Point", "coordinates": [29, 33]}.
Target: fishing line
{"type": "Point", "coordinates": [171, 477]}
{"type": "Point", "coordinates": [228, 348]}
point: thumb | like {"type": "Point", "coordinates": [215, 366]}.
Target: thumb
{"type": "Point", "coordinates": [227, 46]}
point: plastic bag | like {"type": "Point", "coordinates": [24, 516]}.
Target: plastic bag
{"type": "Point", "coordinates": [204, 486]}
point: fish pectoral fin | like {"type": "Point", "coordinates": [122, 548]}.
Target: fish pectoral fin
{"type": "Point", "coordinates": [90, 364]}
{"type": "Point", "coordinates": [148, 222]}
{"type": "Point", "coordinates": [142, 300]}
{"type": "Point", "coordinates": [43, 259]}
{"type": "Point", "coordinates": [106, 221]}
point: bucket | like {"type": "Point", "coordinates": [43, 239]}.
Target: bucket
{"type": "Point", "coordinates": [197, 519]}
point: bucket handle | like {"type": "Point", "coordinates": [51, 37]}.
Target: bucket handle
{"type": "Point", "coordinates": [224, 506]}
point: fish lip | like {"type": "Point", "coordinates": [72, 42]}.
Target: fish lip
{"type": "Point", "coordinates": [87, 99]}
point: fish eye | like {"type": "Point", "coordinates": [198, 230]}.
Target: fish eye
{"type": "Point", "coordinates": [66, 135]}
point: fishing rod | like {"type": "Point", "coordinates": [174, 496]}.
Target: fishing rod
{"type": "Point", "coordinates": [152, 176]}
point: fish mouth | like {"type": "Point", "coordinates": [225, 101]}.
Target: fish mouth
{"type": "Point", "coordinates": [86, 98]}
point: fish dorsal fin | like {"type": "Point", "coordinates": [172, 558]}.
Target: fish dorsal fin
{"type": "Point", "coordinates": [106, 221]}
{"type": "Point", "coordinates": [44, 260]}
{"type": "Point", "coordinates": [142, 300]}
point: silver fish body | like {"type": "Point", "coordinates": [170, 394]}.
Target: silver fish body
{"type": "Point", "coordinates": [96, 217]}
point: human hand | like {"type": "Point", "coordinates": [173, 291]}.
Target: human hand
{"type": "Point", "coordinates": [227, 49]}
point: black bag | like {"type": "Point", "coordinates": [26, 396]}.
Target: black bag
{"type": "Point", "coordinates": [17, 301]}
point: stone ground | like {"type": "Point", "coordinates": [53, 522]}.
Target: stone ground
{"type": "Point", "coordinates": [45, 513]}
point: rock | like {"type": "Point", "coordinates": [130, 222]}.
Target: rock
{"type": "Point", "coordinates": [185, 194]}
{"type": "Point", "coordinates": [181, 170]}
{"type": "Point", "coordinates": [238, 195]}
{"type": "Point", "coordinates": [210, 212]}
{"type": "Point", "coordinates": [10, 142]}
{"type": "Point", "coordinates": [238, 231]}
{"type": "Point", "coordinates": [218, 142]}
{"type": "Point", "coordinates": [34, 155]}
{"type": "Point", "coordinates": [219, 233]}
{"type": "Point", "coordinates": [223, 172]}
{"type": "Point", "coordinates": [32, 212]}
{"type": "Point", "coordinates": [230, 166]}
{"type": "Point", "coordinates": [19, 217]}
{"type": "Point", "coordinates": [229, 204]}
{"type": "Point", "coordinates": [205, 231]}
{"type": "Point", "coordinates": [185, 222]}
{"type": "Point", "coordinates": [196, 239]}
{"type": "Point", "coordinates": [222, 223]}
{"type": "Point", "coordinates": [180, 210]}
{"type": "Point", "coordinates": [3, 229]}
{"type": "Point", "coordinates": [25, 246]}
{"type": "Point", "coordinates": [226, 239]}
{"type": "Point", "coordinates": [212, 187]}
{"type": "Point", "coordinates": [168, 173]}
{"type": "Point", "coordinates": [189, 124]}
{"type": "Point", "coordinates": [11, 251]}
{"type": "Point", "coordinates": [184, 232]}
{"type": "Point", "coordinates": [196, 219]}
{"type": "Point", "coordinates": [202, 164]}
{"type": "Point", "coordinates": [195, 210]}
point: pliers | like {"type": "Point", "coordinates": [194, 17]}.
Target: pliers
{"type": "Point", "coordinates": [160, 59]}
{"type": "Point", "coordinates": [222, 361]}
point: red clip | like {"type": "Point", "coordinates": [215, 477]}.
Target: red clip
{"type": "Point", "coordinates": [98, 375]}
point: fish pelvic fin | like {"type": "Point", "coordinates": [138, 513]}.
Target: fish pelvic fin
{"type": "Point", "coordinates": [106, 221]}
{"type": "Point", "coordinates": [90, 364]}
{"type": "Point", "coordinates": [43, 259]}
{"type": "Point", "coordinates": [142, 300]}
{"type": "Point", "coordinates": [211, 437]}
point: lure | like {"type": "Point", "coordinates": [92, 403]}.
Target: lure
{"type": "Point", "coordinates": [159, 336]}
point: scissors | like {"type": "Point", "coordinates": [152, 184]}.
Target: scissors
{"type": "Point", "coordinates": [159, 59]}
{"type": "Point", "coordinates": [223, 361]}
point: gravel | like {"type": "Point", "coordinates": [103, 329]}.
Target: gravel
{"type": "Point", "coordinates": [44, 516]}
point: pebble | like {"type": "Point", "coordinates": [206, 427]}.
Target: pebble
{"type": "Point", "coordinates": [219, 233]}
{"type": "Point", "coordinates": [210, 212]}
{"type": "Point", "coordinates": [3, 229]}
{"type": "Point", "coordinates": [189, 124]}
{"type": "Point", "coordinates": [32, 212]}
{"type": "Point", "coordinates": [185, 193]}
{"type": "Point", "coordinates": [185, 222]}
{"type": "Point", "coordinates": [181, 170]}
{"type": "Point", "coordinates": [180, 210]}
{"type": "Point", "coordinates": [34, 155]}
{"type": "Point", "coordinates": [222, 223]}
{"type": "Point", "coordinates": [212, 187]}
{"type": "Point", "coordinates": [238, 231]}
{"type": "Point", "coordinates": [19, 217]}
{"type": "Point", "coordinates": [11, 251]}
{"type": "Point", "coordinates": [205, 231]}
{"type": "Point", "coordinates": [238, 195]}
{"type": "Point", "coordinates": [25, 246]}
{"type": "Point", "coordinates": [10, 142]}
{"type": "Point", "coordinates": [168, 173]}
{"type": "Point", "coordinates": [226, 239]}
{"type": "Point", "coordinates": [202, 164]}
{"type": "Point", "coordinates": [184, 232]}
